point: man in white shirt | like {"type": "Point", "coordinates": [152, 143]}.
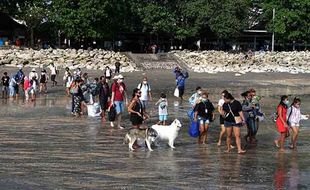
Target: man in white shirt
{"type": "Point", "coordinates": [145, 92]}
{"type": "Point", "coordinates": [53, 69]}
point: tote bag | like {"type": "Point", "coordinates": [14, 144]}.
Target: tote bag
{"type": "Point", "coordinates": [194, 129]}
{"type": "Point", "coordinates": [176, 92]}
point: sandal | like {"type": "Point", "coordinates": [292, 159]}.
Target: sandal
{"type": "Point", "coordinates": [242, 152]}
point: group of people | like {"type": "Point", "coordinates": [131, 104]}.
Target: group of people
{"type": "Point", "coordinates": [29, 84]}
{"type": "Point", "coordinates": [234, 115]}
{"type": "Point", "coordinates": [109, 93]}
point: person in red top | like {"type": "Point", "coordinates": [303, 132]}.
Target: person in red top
{"type": "Point", "coordinates": [119, 98]}
{"type": "Point", "coordinates": [281, 122]}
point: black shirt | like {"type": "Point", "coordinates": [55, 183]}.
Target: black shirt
{"type": "Point", "coordinates": [5, 80]}
{"type": "Point", "coordinates": [204, 109]}
{"type": "Point", "coordinates": [235, 107]}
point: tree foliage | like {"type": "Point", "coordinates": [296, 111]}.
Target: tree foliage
{"type": "Point", "coordinates": [180, 19]}
{"type": "Point", "coordinates": [292, 18]}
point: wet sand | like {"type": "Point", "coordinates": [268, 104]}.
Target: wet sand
{"type": "Point", "coordinates": [43, 147]}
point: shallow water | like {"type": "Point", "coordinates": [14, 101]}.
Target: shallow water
{"type": "Point", "coordinates": [43, 147]}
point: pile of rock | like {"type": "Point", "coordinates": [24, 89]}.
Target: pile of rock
{"type": "Point", "coordinates": [219, 61]}
{"type": "Point", "coordinates": [89, 59]}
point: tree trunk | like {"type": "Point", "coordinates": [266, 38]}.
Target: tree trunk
{"type": "Point", "coordinates": [31, 37]}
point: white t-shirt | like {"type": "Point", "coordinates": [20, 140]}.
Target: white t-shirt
{"type": "Point", "coordinates": [145, 89]}
{"type": "Point", "coordinates": [53, 70]}
{"type": "Point", "coordinates": [33, 74]}
{"type": "Point", "coordinates": [221, 102]}
{"type": "Point", "coordinates": [163, 107]}
{"type": "Point", "coordinates": [108, 73]}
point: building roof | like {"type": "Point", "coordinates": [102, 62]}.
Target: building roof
{"type": "Point", "coordinates": [8, 23]}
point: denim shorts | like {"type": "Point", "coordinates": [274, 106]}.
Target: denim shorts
{"type": "Point", "coordinates": [12, 91]}
{"type": "Point", "coordinates": [232, 124]}
{"type": "Point", "coordinates": [163, 117]}
{"type": "Point", "coordinates": [203, 121]}
{"type": "Point", "coordinates": [119, 106]}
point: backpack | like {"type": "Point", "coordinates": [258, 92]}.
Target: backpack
{"type": "Point", "coordinates": [74, 89]}
{"type": "Point", "coordinates": [140, 86]}
{"type": "Point", "coordinates": [289, 115]}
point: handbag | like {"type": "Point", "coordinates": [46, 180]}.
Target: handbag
{"type": "Point", "coordinates": [194, 129]}
{"type": "Point", "coordinates": [112, 113]}
{"type": "Point", "coordinates": [238, 119]}
{"type": "Point", "coordinates": [176, 92]}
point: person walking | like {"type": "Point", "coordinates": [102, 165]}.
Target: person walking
{"type": "Point", "coordinates": [104, 95]}
{"type": "Point", "coordinates": [293, 118]}
{"type": "Point", "coordinates": [220, 110]}
{"type": "Point", "coordinates": [233, 121]}
{"type": "Point", "coordinates": [5, 85]}
{"type": "Point", "coordinates": [146, 94]}
{"type": "Point", "coordinates": [119, 98]}
{"type": "Point", "coordinates": [136, 111]}
{"type": "Point", "coordinates": [107, 72]}
{"type": "Point", "coordinates": [180, 82]}
{"type": "Point", "coordinates": [203, 115]}
{"type": "Point", "coordinates": [162, 109]}
{"type": "Point", "coordinates": [43, 81]}
{"type": "Point", "coordinates": [54, 72]}
{"type": "Point", "coordinates": [281, 122]}
{"type": "Point", "coordinates": [117, 67]}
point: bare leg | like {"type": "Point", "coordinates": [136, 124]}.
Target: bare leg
{"type": "Point", "coordinates": [221, 135]}
{"type": "Point", "coordinates": [281, 142]}
{"type": "Point", "coordinates": [228, 138]}
{"type": "Point", "coordinates": [294, 137]}
{"type": "Point", "coordinates": [238, 139]}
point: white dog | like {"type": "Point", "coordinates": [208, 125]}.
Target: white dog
{"type": "Point", "coordinates": [169, 132]}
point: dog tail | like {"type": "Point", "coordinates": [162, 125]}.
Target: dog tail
{"type": "Point", "coordinates": [126, 139]}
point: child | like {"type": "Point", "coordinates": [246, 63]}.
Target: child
{"type": "Point", "coordinates": [293, 118]}
{"type": "Point", "coordinates": [5, 85]}
{"type": "Point", "coordinates": [162, 109]}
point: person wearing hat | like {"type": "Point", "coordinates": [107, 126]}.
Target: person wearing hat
{"type": "Point", "coordinates": [33, 74]}
{"type": "Point", "coordinates": [119, 98]}
{"type": "Point", "coordinates": [43, 81]}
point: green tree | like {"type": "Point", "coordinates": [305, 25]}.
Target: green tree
{"type": "Point", "coordinates": [292, 19]}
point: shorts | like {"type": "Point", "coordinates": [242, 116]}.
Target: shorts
{"type": "Point", "coordinates": [5, 89]}
{"type": "Point", "coordinates": [16, 88]}
{"type": "Point", "coordinates": [293, 124]}
{"type": "Point", "coordinates": [221, 120]}
{"type": "Point", "coordinates": [135, 119]}
{"type": "Point", "coordinates": [203, 121]}
{"type": "Point", "coordinates": [119, 106]}
{"type": "Point", "coordinates": [53, 77]}
{"type": "Point", "coordinates": [163, 117]}
{"type": "Point", "coordinates": [12, 91]}
{"type": "Point", "coordinates": [232, 124]}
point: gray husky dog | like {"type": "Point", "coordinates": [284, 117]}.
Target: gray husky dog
{"type": "Point", "coordinates": [149, 135]}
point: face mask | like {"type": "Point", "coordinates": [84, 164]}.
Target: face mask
{"type": "Point", "coordinates": [144, 82]}
{"type": "Point", "coordinates": [120, 80]}
{"type": "Point", "coordinates": [203, 99]}
{"type": "Point", "coordinates": [286, 102]}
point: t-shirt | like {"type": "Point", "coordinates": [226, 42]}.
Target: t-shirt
{"type": "Point", "coordinates": [221, 102]}
{"type": "Point", "coordinates": [119, 90]}
{"type": "Point", "coordinates": [108, 73]}
{"type": "Point", "coordinates": [145, 89]}
{"type": "Point", "coordinates": [53, 70]}
{"type": "Point", "coordinates": [163, 107]}
{"type": "Point", "coordinates": [204, 109]}
{"type": "Point", "coordinates": [235, 107]}
{"type": "Point", "coordinates": [33, 74]}
{"type": "Point", "coordinates": [5, 80]}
